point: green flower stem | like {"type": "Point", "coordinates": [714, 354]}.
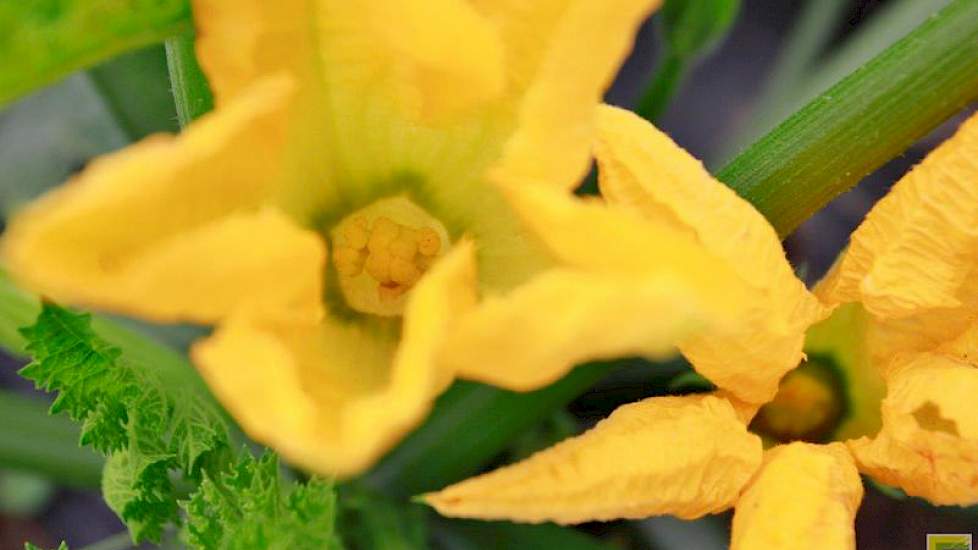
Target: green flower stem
{"type": "Point", "coordinates": [32, 440]}
{"type": "Point", "coordinates": [44, 40]}
{"type": "Point", "coordinates": [191, 93]}
{"type": "Point", "coordinates": [779, 97]}
{"type": "Point", "coordinates": [665, 82]}
{"type": "Point", "coordinates": [865, 120]}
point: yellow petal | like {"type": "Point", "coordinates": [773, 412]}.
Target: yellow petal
{"type": "Point", "coordinates": [911, 262]}
{"type": "Point", "coordinates": [685, 456]}
{"type": "Point", "coordinates": [625, 272]}
{"type": "Point", "coordinates": [333, 396]}
{"type": "Point", "coordinates": [158, 229]}
{"type": "Point", "coordinates": [535, 334]}
{"type": "Point", "coordinates": [571, 65]}
{"type": "Point", "coordinates": [929, 443]}
{"type": "Point", "coordinates": [457, 53]}
{"type": "Point", "coordinates": [804, 497]}
{"type": "Point", "coordinates": [642, 169]}
{"type": "Point", "coordinates": [239, 42]}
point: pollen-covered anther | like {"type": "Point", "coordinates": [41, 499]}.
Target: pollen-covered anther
{"type": "Point", "coordinates": [394, 255]}
{"type": "Point", "coordinates": [381, 251]}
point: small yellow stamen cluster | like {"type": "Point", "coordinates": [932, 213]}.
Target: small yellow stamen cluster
{"type": "Point", "coordinates": [392, 254]}
{"type": "Point", "coordinates": [805, 408]}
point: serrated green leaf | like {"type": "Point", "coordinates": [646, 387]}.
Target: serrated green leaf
{"type": "Point", "coordinates": [248, 507]}
{"type": "Point", "coordinates": [137, 487]}
{"type": "Point", "coordinates": [127, 412]}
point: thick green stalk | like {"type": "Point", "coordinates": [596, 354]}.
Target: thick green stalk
{"type": "Point", "coordinates": [44, 40]}
{"type": "Point", "coordinates": [809, 36]}
{"type": "Point", "coordinates": [865, 120]}
{"type": "Point", "coordinates": [191, 93]}
{"type": "Point", "coordinates": [32, 440]}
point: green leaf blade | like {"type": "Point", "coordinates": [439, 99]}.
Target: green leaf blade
{"type": "Point", "coordinates": [43, 40]}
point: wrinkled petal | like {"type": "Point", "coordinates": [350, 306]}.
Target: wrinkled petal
{"type": "Point", "coordinates": [643, 170]}
{"type": "Point", "coordinates": [577, 48]}
{"type": "Point", "coordinates": [804, 497]}
{"type": "Point", "coordinates": [685, 456]}
{"type": "Point", "coordinates": [929, 443]}
{"type": "Point", "coordinates": [159, 228]}
{"type": "Point", "coordinates": [913, 263]}
{"type": "Point", "coordinates": [335, 395]}
{"type": "Point", "coordinates": [626, 272]}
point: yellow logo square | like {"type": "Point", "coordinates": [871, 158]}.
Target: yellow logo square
{"type": "Point", "coordinates": [948, 542]}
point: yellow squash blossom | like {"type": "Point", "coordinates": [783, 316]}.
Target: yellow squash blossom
{"type": "Point", "coordinates": [380, 202]}
{"type": "Point", "coordinates": [909, 282]}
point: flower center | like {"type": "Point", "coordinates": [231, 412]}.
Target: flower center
{"type": "Point", "coordinates": [807, 407]}
{"type": "Point", "coordinates": [381, 251]}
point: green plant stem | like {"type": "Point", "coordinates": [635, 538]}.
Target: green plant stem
{"type": "Point", "coordinates": [779, 98]}
{"type": "Point", "coordinates": [32, 440]}
{"type": "Point", "coordinates": [131, 88]}
{"type": "Point", "coordinates": [44, 40]}
{"type": "Point", "coordinates": [191, 93]}
{"type": "Point", "coordinates": [665, 82]}
{"type": "Point", "coordinates": [865, 120]}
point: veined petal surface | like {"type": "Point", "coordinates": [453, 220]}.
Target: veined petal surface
{"type": "Point", "coordinates": [162, 228]}
{"type": "Point", "coordinates": [332, 396]}
{"type": "Point", "coordinates": [804, 497]}
{"type": "Point", "coordinates": [685, 456]}
{"type": "Point", "coordinates": [641, 169]}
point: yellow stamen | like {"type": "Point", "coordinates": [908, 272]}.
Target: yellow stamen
{"type": "Point", "coordinates": [807, 407]}
{"type": "Point", "coordinates": [382, 251]}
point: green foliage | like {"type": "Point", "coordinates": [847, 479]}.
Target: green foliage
{"type": "Point", "coordinates": [29, 546]}
{"type": "Point", "coordinates": [154, 432]}
{"type": "Point", "coordinates": [692, 27]}
{"type": "Point", "coordinates": [248, 507]}
{"type": "Point", "coordinates": [373, 520]}
{"type": "Point", "coordinates": [43, 40]}
{"type": "Point", "coordinates": [127, 413]}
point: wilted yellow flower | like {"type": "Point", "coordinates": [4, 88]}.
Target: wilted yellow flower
{"type": "Point", "coordinates": [910, 279]}
{"type": "Point", "coordinates": [429, 148]}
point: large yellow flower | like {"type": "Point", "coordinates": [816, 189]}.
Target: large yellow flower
{"type": "Point", "coordinates": [428, 149]}
{"type": "Point", "coordinates": [910, 282]}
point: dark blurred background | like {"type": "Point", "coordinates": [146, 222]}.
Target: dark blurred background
{"type": "Point", "coordinates": [770, 64]}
